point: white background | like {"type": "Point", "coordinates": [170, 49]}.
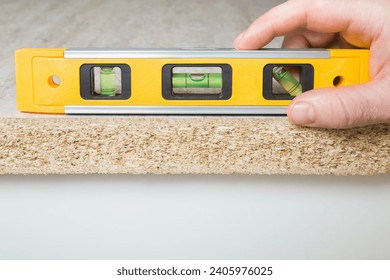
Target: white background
{"type": "Point", "coordinates": [194, 217]}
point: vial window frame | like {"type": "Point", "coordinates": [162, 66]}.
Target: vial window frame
{"type": "Point", "coordinates": [87, 82]}
{"type": "Point", "coordinates": [167, 87]}
{"type": "Point", "coordinates": [306, 78]}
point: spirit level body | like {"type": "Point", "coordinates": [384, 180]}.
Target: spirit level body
{"type": "Point", "coordinates": [36, 92]}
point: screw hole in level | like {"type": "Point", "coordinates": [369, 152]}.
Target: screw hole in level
{"type": "Point", "coordinates": [54, 81]}
{"type": "Point", "coordinates": [338, 81]}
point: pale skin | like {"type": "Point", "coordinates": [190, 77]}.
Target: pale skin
{"type": "Point", "coordinates": [321, 24]}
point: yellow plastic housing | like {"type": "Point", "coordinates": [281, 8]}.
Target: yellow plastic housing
{"type": "Point", "coordinates": [46, 82]}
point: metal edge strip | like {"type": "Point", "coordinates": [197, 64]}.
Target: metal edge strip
{"type": "Point", "coordinates": [95, 53]}
{"type": "Point", "coordinates": [176, 110]}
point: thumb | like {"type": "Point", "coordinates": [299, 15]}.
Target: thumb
{"type": "Point", "coordinates": [342, 107]}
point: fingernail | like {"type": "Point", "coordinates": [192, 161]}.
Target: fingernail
{"type": "Point", "coordinates": [302, 113]}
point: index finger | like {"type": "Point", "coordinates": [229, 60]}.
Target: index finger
{"type": "Point", "coordinates": [316, 16]}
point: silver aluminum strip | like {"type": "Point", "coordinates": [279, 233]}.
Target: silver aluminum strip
{"type": "Point", "coordinates": [91, 53]}
{"type": "Point", "coordinates": [177, 110]}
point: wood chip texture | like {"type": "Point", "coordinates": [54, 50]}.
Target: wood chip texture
{"type": "Point", "coordinates": [188, 145]}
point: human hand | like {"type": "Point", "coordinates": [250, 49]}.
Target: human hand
{"type": "Point", "coordinates": [322, 23]}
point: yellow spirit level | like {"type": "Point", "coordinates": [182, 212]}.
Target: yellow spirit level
{"type": "Point", "coordinates": [178, 81]}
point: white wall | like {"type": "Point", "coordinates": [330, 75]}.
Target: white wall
{"type": "Point", "coordinates": [194, 217]}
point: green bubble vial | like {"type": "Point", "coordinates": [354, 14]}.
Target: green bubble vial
{"type": "Point", "coordinates": [107, 81]}
{"type": "Point", "coordinates": [198, 80]}
{"type": "Point", "coordinates": [287, 81]}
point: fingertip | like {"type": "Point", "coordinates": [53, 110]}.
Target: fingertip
{"type": "Point", "coordinates": [246, 41]}
{"type": "Point", "coordinates": [302, 113]}
{"type": "Point", "coordinates": [265, 28]}
{"type": "Point", "coordinates": [314, 109]}
{"type": "Point", "coordinates": [237, 41]}
{"type": "Point", "coordinates": [335, 108]}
